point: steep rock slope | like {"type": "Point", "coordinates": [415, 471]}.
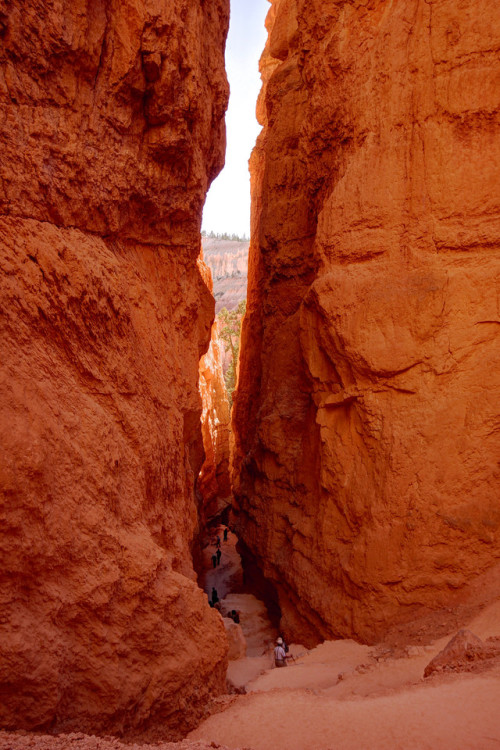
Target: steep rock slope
{"type": "Point", "coordinates": [111, 131]}
{"type": "Point", "coordinates": [366, 418]}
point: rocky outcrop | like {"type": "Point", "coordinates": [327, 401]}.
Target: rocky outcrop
{"type": "Point", "coordinates": [366, 421]}
{"type": "Point", "coordinates": [465, 653]}
{"type": "Point", "coordinates": [228, 261]}
{"type": "Point", "coordinates": [111, 131]}
{"type": "Point", "coordinates": [214, 484]}
{"type": "Point", "coordinates": [236, 640]}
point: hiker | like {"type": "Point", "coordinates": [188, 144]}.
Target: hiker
{"type": "Point", "coordinates": [235, 616]}
{"type": "Point", "coordinates": [225, 534]}
{"type": "Point", "coordinates": [215, 596]}
{"type": "Point", "coordinates": [284, 644]}
{"type": "Point", "coordinates": [214, 560]}
{"type": "Point", "coordinates": [218, 542]}
{"type": "Point", "coordinates": [280, 655]}
{"type": "Point", "coordinates": [219, 555]}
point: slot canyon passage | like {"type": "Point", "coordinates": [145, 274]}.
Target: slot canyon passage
{"type": "Point", "coordinates": [361, 472]}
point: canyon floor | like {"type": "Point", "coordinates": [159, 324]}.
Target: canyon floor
{"type": "Point", "coordinates": [346, 696]}
{"type": "Point", "coordinates": [338, 696]}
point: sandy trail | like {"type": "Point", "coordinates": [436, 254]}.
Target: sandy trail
{"type": "Point", "coordinates": [380, 702]}
{"type": "Point", "coordinates": [460, 716]}
{"type": "Point", "coordinates": [228, 575]}
{"type": "Point", "coordinates": [259, 634]}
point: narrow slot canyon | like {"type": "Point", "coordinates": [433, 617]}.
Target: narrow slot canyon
{"type": "Point", "coordinates": [213, 444]}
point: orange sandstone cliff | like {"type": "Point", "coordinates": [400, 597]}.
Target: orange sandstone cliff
{"type": "Point", "coordinates": [111, 131]}
{"type": "Point", "coordinates": [367, 411]}
{"type": "Point", "coordinates": [214, 483]}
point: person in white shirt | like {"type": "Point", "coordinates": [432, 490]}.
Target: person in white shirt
{"type": "Point", "coordinates": [280, 655]}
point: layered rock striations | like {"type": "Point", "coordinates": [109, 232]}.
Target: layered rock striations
{"type": "Point", "coordinates": [366, 416]}
{"type": "Point", "coordinates": [111, 131]}
{"type": "Point", "coordinates": [228, 261]}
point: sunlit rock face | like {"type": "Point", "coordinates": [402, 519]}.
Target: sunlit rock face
{"type": "Point", "coordinates": [111, 131]}
{"type": "Point", "coordinates": [366, 420]}
{"type": "Point", "coordinates": [214, 483]}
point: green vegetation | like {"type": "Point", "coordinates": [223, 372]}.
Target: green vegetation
{"type": "Point", "coordinates": [224, 236]}
{"type": "Point", "coordinates": [230, 332]}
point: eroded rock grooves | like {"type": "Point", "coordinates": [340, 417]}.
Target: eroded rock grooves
{"type": "Point", "coordinates": [111, 130]}
{"type": "Point", "coordinates": [366, 421]}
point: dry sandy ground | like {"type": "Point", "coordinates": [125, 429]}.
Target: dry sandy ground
{"type": "Point", "coordinates": [338, 696]}
{"type": "Point", "coordinates": [77, 741]}
{"type": "Point", "coordinates": [379, 702]}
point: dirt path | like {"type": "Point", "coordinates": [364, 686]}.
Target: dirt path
{"type": "Point", "coordinates": [228, 575]}
{"type": "Point", "coordinates": [459, 716]}
{"type": "Point", "coordinates": [259, 634]}
{"type": "Point", "coordinates": [346, 696]}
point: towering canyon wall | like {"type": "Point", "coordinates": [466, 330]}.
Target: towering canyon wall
{"type": "Point", "coordinates": [111, 130]}
{"type": "Point", "coordinates": [367, 412]}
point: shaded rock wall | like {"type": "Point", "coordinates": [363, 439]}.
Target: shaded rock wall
{"type": "Point", "coordinates": [111, 131]}
{"type": "Point", "coordinates": [366, 421]}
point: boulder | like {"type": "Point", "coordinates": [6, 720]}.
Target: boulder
{"type": "Point", "coordinates": [463, 651]}
{"type": "Point", "coordinates": [236, 640]}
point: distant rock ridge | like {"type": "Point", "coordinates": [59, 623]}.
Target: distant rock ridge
{"type": "Point", "coordinates": [228, 261]}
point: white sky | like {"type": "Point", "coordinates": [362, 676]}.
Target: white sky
{"type": "Point", "coordinates": [227, 208]}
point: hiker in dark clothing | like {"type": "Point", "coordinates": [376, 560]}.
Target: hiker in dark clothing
{"type": "Point", "coordinates": [214, 560]}
{"type": "Point", "coordinates": [215, 596]}
{"type": "Point", "coordinates": [219, 555]}
{"type": "Point", "coordinates": [284, 644]}
{"type": "Point", "coordinates": [225, 534]}
{"type": "Point", "coordinates": [218, 541]}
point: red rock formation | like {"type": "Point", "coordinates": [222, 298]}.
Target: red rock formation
{"type": "Point", "coordinates": [366, 420]}
{"type": "Point", "coordinates": [465, 653]}
{"type": "Point", "coordinates": [214, 484]}
{"type": "Point", "coordinates": [111, 131]}
{"type": "Point", "coordinates": [236, 640]}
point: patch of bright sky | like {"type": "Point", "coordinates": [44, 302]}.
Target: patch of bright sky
{"type": "Point", "coordinates": [227, 208]}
